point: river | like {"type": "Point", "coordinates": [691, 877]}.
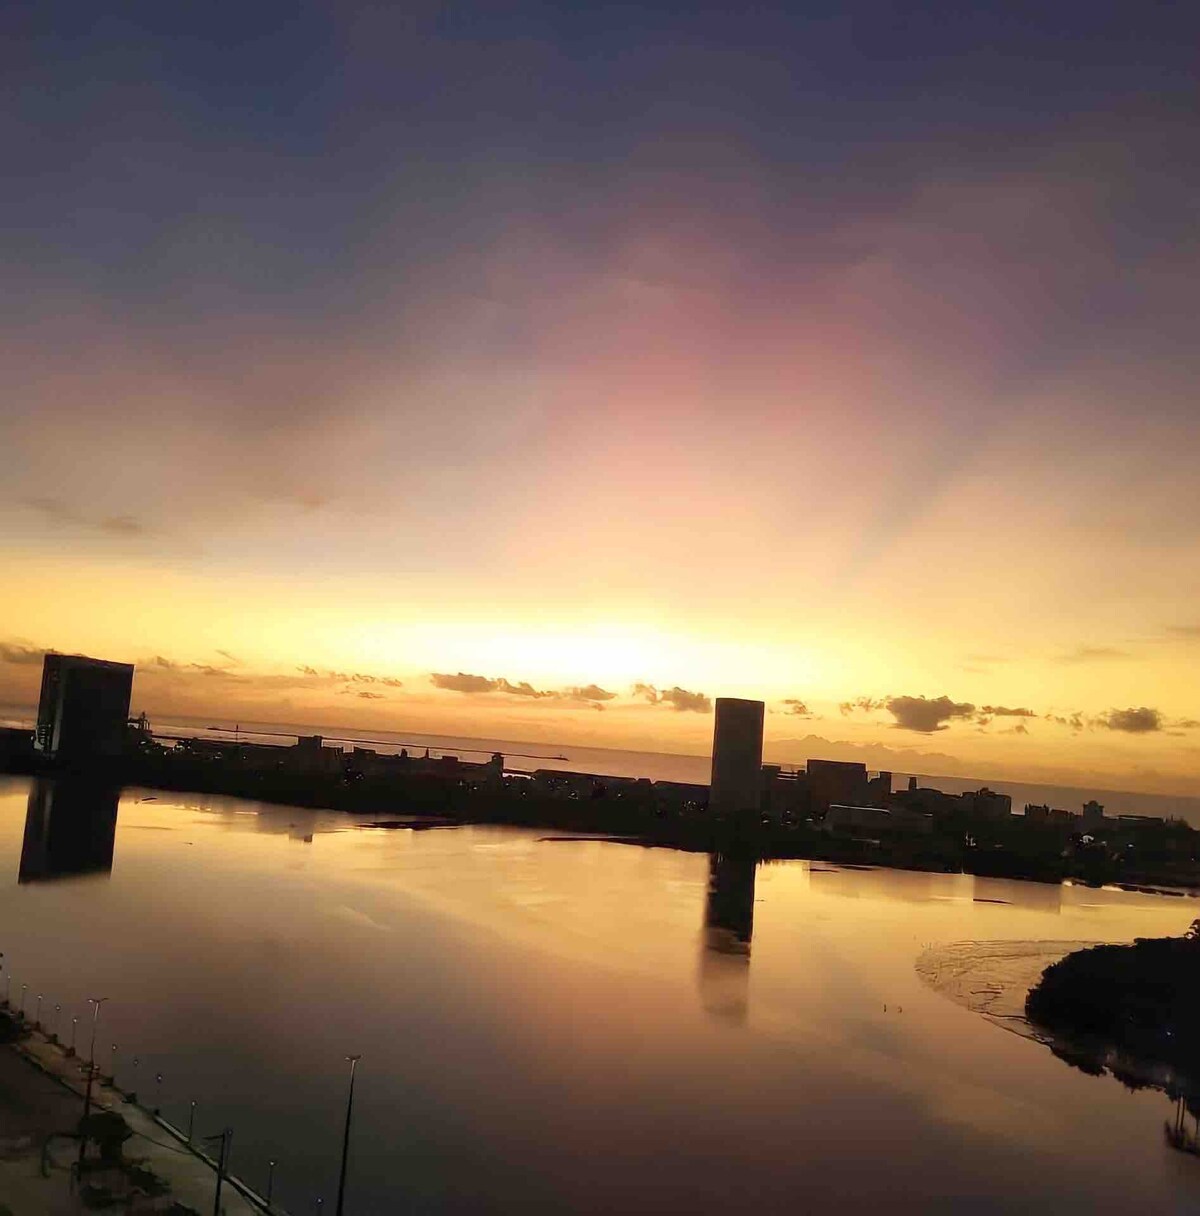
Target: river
{"type": "Point", "coordinates": [568, 1026]}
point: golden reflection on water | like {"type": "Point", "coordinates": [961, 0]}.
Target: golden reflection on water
{"type": "Point", "coordinates": [577, 1025]}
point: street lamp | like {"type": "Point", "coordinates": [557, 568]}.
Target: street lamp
{"type": "Point", "coordinates": [37, 1017]}
{"type": "Point", "coordinates": [270, 1181]}
{"type": "Point", "coordinates": [24, 987]}
{"type": "Point", "coordinates": [57, 1011]}
{"type": "Point", "coordinates": [95, 1002]}
{"type": "Point", "coordinates": [112, 1071]}
{"type": "Point", "coordinates": [353, 1060]}
{"type": "Point", "coordinates": [158, 1093]}
{"type": "Point", "coordinates": [191, 1119]}
{"type": "Point", "coordinates": [226, 1138]}
{"type": "Point", "coordinates": [74, 1028]}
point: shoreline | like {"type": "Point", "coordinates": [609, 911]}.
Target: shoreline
{"type": "Point", "coordinates": [40, 1169]}
{"type": "Point", "coordinates": [966, 974]}
{"type": "Point", "coordinates": [421, 802]}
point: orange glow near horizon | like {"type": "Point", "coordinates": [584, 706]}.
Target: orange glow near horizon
{"type": "Point", "coordinates": [839, 460]}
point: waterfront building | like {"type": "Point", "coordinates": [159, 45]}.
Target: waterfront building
{"type": "Point", "coordinates": [987, 804]}
{"type": "Point", "coordinates": [311, 756]}
{"type": "Point", "coordinates": [836, 781]}
{"type": "Point", "coordinates": [736, 787]}
{"type": "Point", "coordinates": [83, 711]}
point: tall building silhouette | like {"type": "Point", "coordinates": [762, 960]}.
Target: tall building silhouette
{"type": "Point", "coordinates": [84, 708]}
{"type": "Point", "coordinates": [737, 781]}
{"type": "Point", "coordinates": [70, 829]}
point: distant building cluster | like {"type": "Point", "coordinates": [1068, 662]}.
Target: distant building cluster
{"type": "Point", "coordinates": [83, 720]}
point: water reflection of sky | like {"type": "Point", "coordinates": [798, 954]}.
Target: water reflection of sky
{"type": "Point", "coordinates": [543, 1028]}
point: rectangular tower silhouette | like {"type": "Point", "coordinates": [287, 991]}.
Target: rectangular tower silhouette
{"type": "Point", "coordinates": [83, 709]}
{"type": "Point", "coordinates": [736, 785]}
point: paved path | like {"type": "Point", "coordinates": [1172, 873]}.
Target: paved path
{"type": "Point", "coordinates": [41, 1092]}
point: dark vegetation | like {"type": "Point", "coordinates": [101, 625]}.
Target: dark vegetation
{"type": "Point", "coordinates": [1139, 1002]}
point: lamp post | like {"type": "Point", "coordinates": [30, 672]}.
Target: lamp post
{"type": "Point", "coordinates": [74, 1028]}
{"type": "Point", "coordinates": [37, 1017]}
{"type": "Point", "coordinates": [57, 1012]}
{"type": "Point", "coordinates": [158, 1093]}
{"type": "Point", "coordinates": [7, 991]}
{"type": "Point", "coordinates": [191, 1119]}
{"type": "Point", "coordinates": [341, 1195]}
{"type": "Point", "coordinates": [112, 1068]}
{"type": "Point", "coordinates": [95, 1002]}
{"type": "Point", "coordinates": [270, 1181]}
{"type": "Point", "coordinates": [226, 1138]}
{"type": "Point", "coordinates": [24, 988]}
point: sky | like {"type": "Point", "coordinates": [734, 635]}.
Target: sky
{"type": "Point", "coordinates": [547, 371]}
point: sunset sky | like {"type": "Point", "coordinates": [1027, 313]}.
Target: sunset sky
{"type": "Point", "coordinates": [545, 371]}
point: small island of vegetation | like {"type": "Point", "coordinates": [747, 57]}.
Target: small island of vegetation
{"type": "Point", "coordinates": [1139, 1002]}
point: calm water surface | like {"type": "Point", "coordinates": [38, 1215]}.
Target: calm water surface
{"type": "Point", "coordinates": [550, 1026]}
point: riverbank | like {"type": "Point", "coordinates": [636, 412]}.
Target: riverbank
{"type": "Point", "coordinates": [41, 1100]}
{"type": "Point", "coordinates": [443, 791]}
{"type": "Point", "coordinates": [998, 980]}
{"type": "Point", "coordinates": [1131, 1009]}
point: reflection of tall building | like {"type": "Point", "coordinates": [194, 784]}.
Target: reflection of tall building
{"type": "Point", "coordinates": [728, 928]}
{"type": "Point", "coordinates": [70, 829]}
{"type": "Point", "coordinates": [84, 708]}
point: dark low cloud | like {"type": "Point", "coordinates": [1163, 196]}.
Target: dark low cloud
{"type": "Point", "coordinates": [1003, 711]}
{"type": "Point", "coordinates": [1019, 729]}
{"type": "Point", "coordinates": [589, 692]}
{"type": "Point", "coordinates": [362, 678]}
{"type": "Point", "coordinates": [23, 656]}
{"type": "Point", "coordinates": [120, 525]}
{"type": "Point", "coordinates": [58, 512]}
{"type": "Point", "coordinates": [1073, 721]}
{"type": "Point", "coordinates": [347, 677]}
{"type": "Point", "coordinates": [677, 698]}
{"type": "Point", "coordinates": [1093, 654]}
{"type": "Point", "coordinates": [160, 662]}
{"type": "Point", "coordinates": [925, 715]}
{"type": "Point", "coordinates": [1141, 720]}
{"type": "Point", "coordinates": [464, 682]}
{"type": "Point", "coordinates": [797, 708]}
{"type": "Point", "coordinates": [921, 714]}
{"type": "Point", "coordinates": [523, 689]}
